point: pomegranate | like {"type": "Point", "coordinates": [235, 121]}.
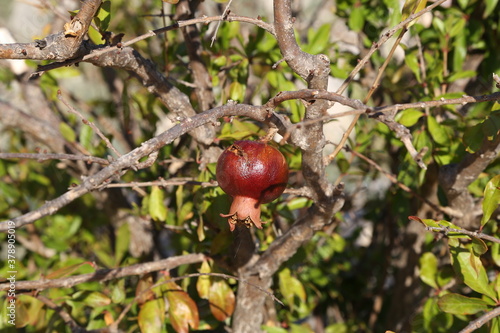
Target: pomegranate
{"type": "Point", "coordinates": [252, 173]}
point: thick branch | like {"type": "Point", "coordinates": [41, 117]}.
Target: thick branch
{"type": "Point", "coordinates": [306, 65]}
{"type": "Point", "coordinates": [64, 45]}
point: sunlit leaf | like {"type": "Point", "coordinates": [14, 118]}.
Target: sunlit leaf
{"type": "Point", "coordinates": [471, 270]}
{"type": "Point", "coordinates": [222, 300]}
{"type": "Point", "coordinates": [437, 131]}
{"type": "Point", "coordinates": [66, 271]}
{"type": "Point", "coordinates": [203, 283]}
{"type": "Point", "coordinates": [122, 242]}
{"type": "Point", "coordinates": [237, 91]}
{"type": "Point", "coordinates": [357, 18]}
{"type": "Point", "coordinates": [461, 305]}
{"type": "Point", "coordinates": [290, 287]}
{"type": "Point", "coordinates": [428, 269]}
{"type": "Point", "coordinates": [104, 16]}
{"type": "Point", "coordinates": [152, 316]}
{"type": "Point", "coordinates": [67, 132]}
{"type": "Point", "coordinates": [409, 117]}
{"type": "Point", "coordinates": [490, 7]}
{"type": "Point", "coordinates": [412, 7]}
{"type": "Point", "coordinates": [183, 312]}
{"type": "Point", "coordinates": [143, 293]}
{"type": "Point", "coordinates": [491, 198]}
{"type": "Point", "coordinates": [118, 292]}
{"type": "Point", "coordinates": [157, 208]}
{"type": "Point", "coordinates": [91, 298]}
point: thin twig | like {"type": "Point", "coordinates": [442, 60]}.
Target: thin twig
{"type": "Point", "coordinates": [394, 180]}
{"type": "Point", "coordinates": [162, 183]}
{"type": "Point", "coordinates": [475, 324]}
{"type": "Point", "coordinates": [224, 14]}
{"type": "Point", "coordinates": [102, 275]}
{"type": "Point", "coordinates": [204, 20]}
{"type": "Point", "coordinates": [45, 157]}
{"type": "Point", "coordinates": [475, 234]}
{"type": "Point", "coordinates": [68, 320]}
{"type": "Point", "coordinates": [363, 61]}
{"type": "Point", "coordinates": [71, 109]}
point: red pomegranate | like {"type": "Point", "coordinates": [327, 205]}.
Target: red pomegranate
{"type": "Point", "coordinates": [252, 173]}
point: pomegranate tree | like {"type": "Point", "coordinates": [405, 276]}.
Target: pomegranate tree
{"type": "Point", "coordinates": [252, 173]}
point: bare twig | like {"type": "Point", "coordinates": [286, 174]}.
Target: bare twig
{"type": "Point", "coordinates": [103, 50]}
{"type": "Point", "coordinates": [446, 230]}
{"type": "Point", "coordinates": [224, 14]}
{"type": "Point", "coordinates": [87, 122]}
{"type": "Point", "coordinates": [68, 320]}
{"type": "Point", "coordinates": [45, 157]}
{"type": "Point", "coordinates": [394, 180]}
{"type": "Point", "coordinates": [363, 61]}
{"type": "Point", "coordinates": [108, 274]}
{"type": "Point", "coordinates": [161, 182]}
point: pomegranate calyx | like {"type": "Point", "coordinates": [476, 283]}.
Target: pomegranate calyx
{"type": "Point", "coordinates": [245, 210]}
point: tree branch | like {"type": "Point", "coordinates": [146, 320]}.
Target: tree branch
{"type": "Point", "coordinates": [102, 275]}
{"type": "Point", "coordinates": [64, 45]}
{"type": "Point", "coordinates": [475, 324]}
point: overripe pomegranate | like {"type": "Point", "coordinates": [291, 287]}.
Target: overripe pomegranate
{"type": "Point", "coordinates": [252, 173]}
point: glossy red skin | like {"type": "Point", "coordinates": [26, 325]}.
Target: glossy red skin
{"type": "Point", "coordinates": [252, 173]}
{"type": "Point", "coordinates": [260, 174]}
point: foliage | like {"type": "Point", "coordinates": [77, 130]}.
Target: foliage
{"type": "Point", "coordinates": [351, 275]}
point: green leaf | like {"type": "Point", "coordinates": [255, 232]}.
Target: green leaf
{"type": "Point", "coordinates": [437, 131]}
{"type": "Point", "coordinates": [411, 61]}
{"type": "Point", "coordinates": [461, 75]}
{"type": "Point", "coordinates": [478, 246]}
{"type": "Point", "coordinates": [428, 269]}
{"type": "Point", "coordinates": [409, 117]}
{"type": "Point", "coordinates": [151, 316]}
{"type": "Point", "coordinates": [122, 242]}
{"type": "Point", "coordinates": [357, 18]}
{"type": "Point", "coordinates": [411, 7]}
{"type": "Point", "coordinates": [463, 3]}
{"type": "Point", "coordinates": [491, 199]}
{"type": "Point", "coordinates": [470, 269]}
{"type": "Point", "coordinates": [495, 325]}
{"type": "Point", "coordinates": [222, 300]}
{"type": "Point", "coordinates": [457, 27]}
{"type": "Point", "coordinates": [91, 298]}
{"type": "Point", "coordinates": [495, 254]}
{"type": "Point", "coordinates": [157, 208]}
{"type": "Point", "coordinates": [237, 91]}
{"type": "Point", "coordinates": [461, 305]}
{"type": "Point", "coordinates": [67, 132]}
{"type": "Point", "coordinates": [490, 7]}
{"type": "Point", "coordinates": [473, 138]}
{"type": "Point", "coordinates": [491, 125]}
{"type": "Point", "coordinates": [118, 294]}
{"type": "Point", "coordinates": [66, 271]}
{"type": "Point", "coordinates": [103, 16]}
{"type": "Point", "coordinates": [203, 283]}
{"type": "Point", "coordinates": [318, 39]}
{"type": "Point", "coordinates": [290, 287]}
